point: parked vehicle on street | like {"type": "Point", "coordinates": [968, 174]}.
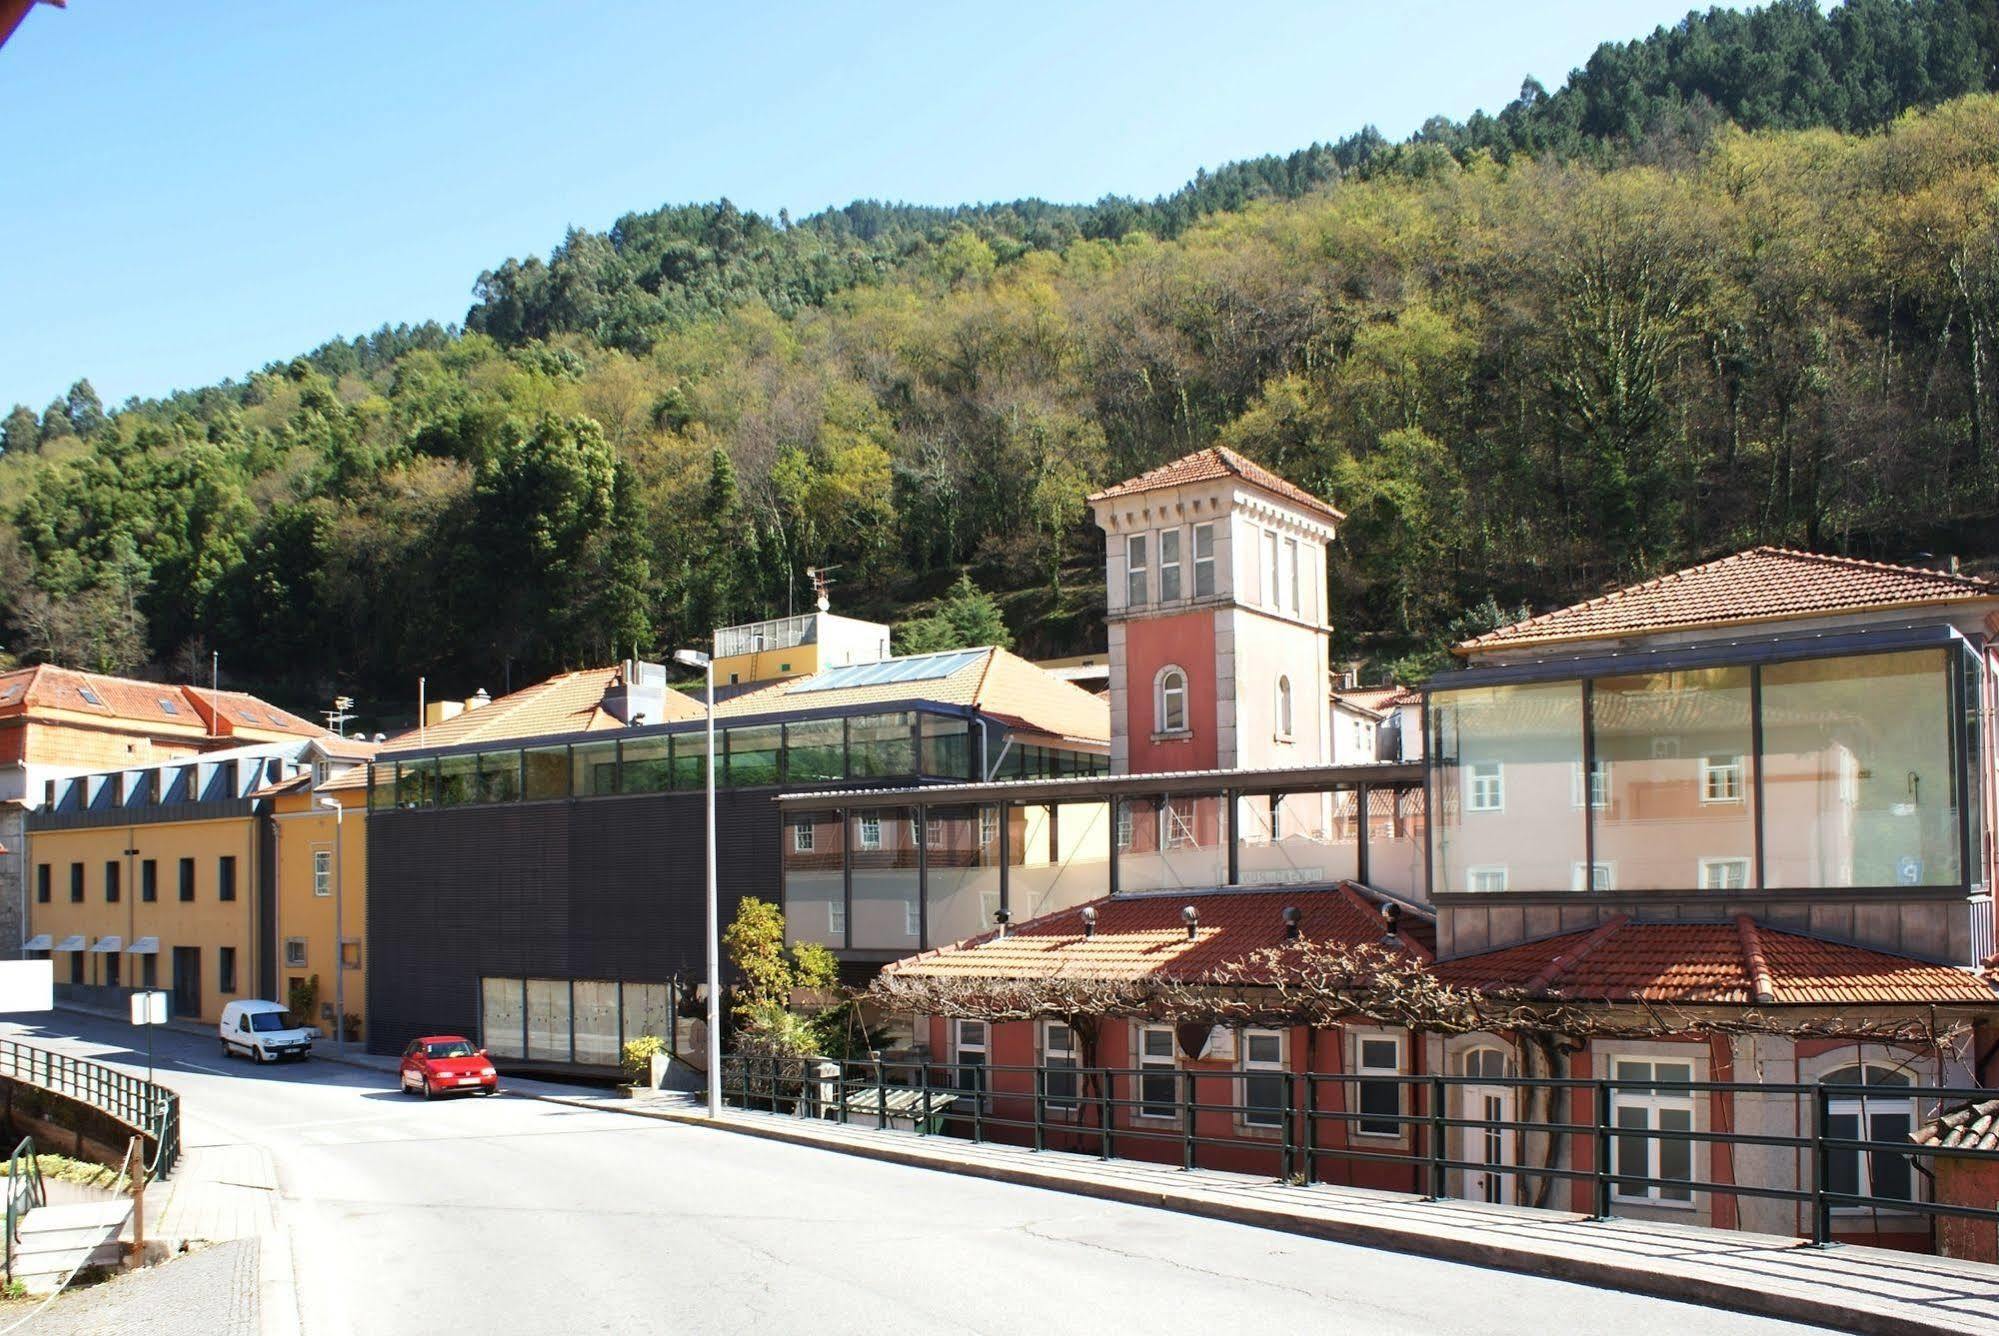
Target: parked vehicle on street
{"type": "Point", "coordinates": [444, 1064]}
{"type": "Point", "coordinates": [264, 1032]}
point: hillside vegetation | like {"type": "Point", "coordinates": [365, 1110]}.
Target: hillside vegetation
{"type": "Point", "coordinates": [1720, 288]}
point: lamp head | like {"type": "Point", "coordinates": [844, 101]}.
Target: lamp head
{"type": "Point", "coordinates": [693, 658]}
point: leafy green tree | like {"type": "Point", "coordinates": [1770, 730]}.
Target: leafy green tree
{"type": "Point", "coordinates": [967, 617]}
{"type": "Point", "coordinates": [84, 409]}
{"type": "Point", "coordinates": [20, 433]}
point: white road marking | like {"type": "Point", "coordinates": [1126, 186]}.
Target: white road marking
{"type": "Point", "coordinates": [197, 1067]}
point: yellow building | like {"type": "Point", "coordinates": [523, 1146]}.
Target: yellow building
{"type": "Point", "coordinates": [171, 876]}
{"type": "Point", "coordinates": [800, 646]}
{"type": "Point", "coordinates": [320, 854]}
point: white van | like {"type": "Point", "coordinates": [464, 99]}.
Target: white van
{"type": "Point", "coordinates": [264, 1032]}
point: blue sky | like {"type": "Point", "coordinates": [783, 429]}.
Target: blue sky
{"type": "Point", "coordinates": [192, 189]}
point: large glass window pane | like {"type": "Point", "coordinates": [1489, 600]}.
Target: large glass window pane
{"type": "Point", "coordinates": [499, 776]}
{"type": "Point", "coordinates": [645, 765]}
{"type": "Point", "coordinates": [415, 782]}
{"type": "Point", "coordinates": [500, 1017]}
{"type": "Point", "coordinates": [1506, 758]}
{"type": "Point", "coordinates": [815, 904]}
{"type": "Point", "coordinates": [597, 1022]}
{"type": "Point", "coordinates": [815, 750]}
{"type": "Point", "coordinates": [886, 906]}
{"type": "Point", "coordinates": [595, 769]}
{"type": "Point", "coordinates": [962, 853]}
{"type": "Point", "coordinates": [381, 786]}
{"type": "Point", "coordinates": [947, 747]}
{"type": "Point", "coordinates": [645, 1012]}
{"type": "Point", "coordinates": [1172, 843]}
{"type": "Point", "coordinates": [690, 760]}
{"type": "Point", "coordinates": [457, 780]}
{"type": "Point", "coordinates": [545, 773]}
{"type": "Point", "coordinates": [752, 754]}
{"type": "Point", "coordinates": [1673, 788]}
{"type": "Point", "coordinates": [1293, 838]}
{"type": "Point", "coordinates": [548, 1020]}
{"type": "Point", "coordinates": [881, 744]}
{"type": "Point", "coordinates": [1970, 695]}
{"type": "Point", "coordinates": [1859, 772]}
{"type": "Point", "coordinates": [1060, 856]}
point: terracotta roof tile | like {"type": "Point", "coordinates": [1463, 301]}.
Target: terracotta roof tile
{"type": "Point", "coordinates": [157, 704]}
{"type": "Point", "coordinates": [1208, 465]}
{"type": "Point", "coordinates": [1762, 584]}
{"type": "Point", "coordinates": [1966, 1127]}
{"type": "Point", "coordinates": [1138, 936]}
{"type": "Point", "coordinates": [1740, 962]}
{"type": "Point", "coordinates": [566, 703]}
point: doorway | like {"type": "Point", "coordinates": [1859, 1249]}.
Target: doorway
{"type": "Point", "coordinates": [1489, 1142]}
{"type": "Point", "coordinates": [187, 982]}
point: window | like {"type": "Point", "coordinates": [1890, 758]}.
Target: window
{"type": "Point", "coordinates": [1169, 565]}
{"type": "Point", "coordinates": [1135, 563]}
{"type": "Point", "coordinates": [804, 835]}
{"type": "Point", "coordinates": [294, 953]}
{"type": "Point", "coordinates": [225, 877]}
{"type": "Point", "coordinates": [870, 830]}
{"type": "Point", "coordinates": [110, 882]}
{"type": "Point", "coordinates": [836, 918]}
{"type": "Point", "coordinates": [1170, 710]}
{"type": "Point", "coordinates": [1273, 597]}
{"type": "Point", "coordinates": [1292, 597]}
{"type": "Point", "coordinates": [350, 953]}
{"type": "Point", "coordinates": [1640, 1108]}
{"type": "Point", "coordinates": [149, 880]}
{"type": "Point", "coordinates": [1489, 879]}
{"type": "Point", "coordinates": [933, 832]}
{"type": "Point", "coordinates": [1124, 819]}
{"type": "Point", "coordinates": [1486, 791]}
{"type": "Point", "coordinates": [973, 1043]}
{"type": "Point", "coordinates": [1059, 1055]}
{"type": "Point", "coordinates": [149, 971]}
{"type": "Point", "coordinates": [1263, 1078]}
{"type": "Point", "coordinates": [1599, 784]}
{"type": "Point", "coordinates": [1601, 877]}
{"type": "Point", "coordinates": [76, 967]}
{"type": "Point", "coordinates": [322, 872]}
{"type": "Point", "coordinates": [912, 919]}
{"type": "Point", "coordinates": [1863, 1115]}
{"type": "Point", "coordinates": [1204, 560]}
{"type": "Point", "coordinates": [1378, 1055]}
{"type": "Point", "coordinates": [42, 883]}
{"type": "Point", "coordinates": [1283, 706]}
{"type": "Point", "coordinates": [225, 969]}
{"type": "Point", "coordinates": [1721, 779]}
{"type": "Point", "coordinates": [187, 879]}
{"type": "Point", "coordinates": [1176, 824]}
{"type": "Point", "coordinates": [89, 695]}
{"type": "Point", "coordinates": [1724, 874]}
{"type": "Point", "coordinates": [988, 826]}
{"type": "Point", "coordinates": [110, 969]}
{"type": "Point", "coordinates": [1666, 748]}
{"type": "Point", "coordinates": [1158, 1082]}
{"type": "Point", "coordinates": [168, 707]}
{"type": "Point", "coordinates": [76, 883]}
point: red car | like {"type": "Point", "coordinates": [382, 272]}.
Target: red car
{"type": "Point", "coordinates": [443, 1064]}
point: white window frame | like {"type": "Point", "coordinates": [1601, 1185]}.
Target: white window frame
{"type": "Point", "coordinates": [1152, 1064]}
{"type": "Point", "coordinates": [322, 873]}
{"type": "Point", "coordinates": [1069, 1057]}
{"type": "Point", "coordinates": [1599, 784]}
{"type": "Point", "coordinates": [1124, 822]}
{"type": "Point", "coordinates": [1722, 781]}
{"type": "Point", "coordinates": [1248, 1066]}
{"type": "Point", "coordinates": [1169, 566]}
{"type": "Point", "coordinates": [836, 918]}
{"type": "Point", "coordinates": [1485, 786]}
{"type": "Point", "coordinates": [1284, 712]}
{"type": "Point", "coordinates": [1166, 698]}
{"type": "Point", "coordinates": [912, 919]}
{"type": "Point", "coordinates": [1137, 570]}
{"type": "Point", "coordinates": [1711, 866]}
{"type": "Point", "coordinates": [804, 837]}
{"type": "Point", "coordinates": [1599, 876]}
{"type": "Point", "coordinates": [976, 1084]}
{"type": "Point", "coordinates": [1204, 563]}
{"type": "Point", "coordinates": [1861, 1108]}
{"type": "Point", "coordinates": [1273, 596]}
{"type": "Point", "coordinates": [1176, 828]}
{"type": "Point", "coordinates": [988, 826]}
{"type": "Point", "coordinates": [1473, 875]}
{"type": "Point", "coordinates": [295, 956]}
{"type": "Point", "coordinates": [933, 832]}
{"type": "Point", "coordinates": [1291, 569]}
{"type": "Point", "coordinates": [1654, 1102]}
{"type": "Point", "coordinates": [868, 830]}
{"type": "Point", "coordinates": [1363, 1069]}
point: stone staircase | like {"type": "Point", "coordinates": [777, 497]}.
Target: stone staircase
{"type": "Point", "coordinates": [67, 1235]}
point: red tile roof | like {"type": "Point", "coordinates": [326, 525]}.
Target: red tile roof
{"type": "Point", "coordinates": [1966, 1127]}
{"type": "Point", "coordinates": [179, 708]}
{"type": "Point", "coordinates": [1742, 962]}
{"type": "Point", "coordinates": [1141, 936]}
{"type": "Point", "coordinates": [1208, 465]}
{"type": "Point", "coordinates": [1378, 700]}
{"type": "Point", "coordinates": [1762, 584]}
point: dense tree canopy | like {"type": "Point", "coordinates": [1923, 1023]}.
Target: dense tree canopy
{"type": "Point", "coordinates": [1720, 288]}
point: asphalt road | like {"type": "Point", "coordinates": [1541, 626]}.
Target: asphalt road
{"type": "Point", "coordinates": [519, 1216]}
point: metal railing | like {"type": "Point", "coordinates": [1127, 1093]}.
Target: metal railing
{"type": "Point", "coordinates": [1302, 1125]}
{"type": "Point", "coordinates": [141, 1105]}
{"type": "Point", "coordinates": [25, 1190]}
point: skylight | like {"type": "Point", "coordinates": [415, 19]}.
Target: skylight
{"type": "Point", "coordinates": [88, 695]}
{"type": "Point", "coordinates": [915, 668]}
{"type": "Point", "coordinates": [168, 707]}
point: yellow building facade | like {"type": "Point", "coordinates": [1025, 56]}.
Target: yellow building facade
{"type": "Point", "coordinates": [320, 858]}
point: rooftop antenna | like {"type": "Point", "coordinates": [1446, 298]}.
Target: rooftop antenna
{"type": "Point", "coordinates": [821, 583]}
{"type": "Point", "coordinates": [215, 691]}
{"type": "Point", "coordinates": [337, 717]}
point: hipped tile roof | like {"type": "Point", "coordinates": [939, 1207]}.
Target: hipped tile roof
{"type": "Point", "coordinates": [1143, 936]}
{"type": "Point", "coordinates": [566, 703]}
{"type": "Point", "coordinates": [1741, 962]}
{"type": "Point", "coordinates": [1761, 584]}
{"type": "Point", "coordinates": [1208, 465]}
{"type": "Point", "coordinates": [45, 687]}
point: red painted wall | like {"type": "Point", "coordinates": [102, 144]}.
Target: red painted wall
{"type": "Point", "coordinates": [1187, 640]}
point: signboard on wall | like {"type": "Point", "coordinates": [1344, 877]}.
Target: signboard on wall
{"type": "Point", "coordinates": [27, 985]}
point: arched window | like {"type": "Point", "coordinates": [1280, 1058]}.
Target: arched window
{"type": "Point", "coordinates": [1283, 706]}
{"type": "Point", "coordinates": [1861, 1115]}
{"type": "Point", "coordinates": [1488, 1062]}
{"type": "Point", "coordinates": [1170, 705]}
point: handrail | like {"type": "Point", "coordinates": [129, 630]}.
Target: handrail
{"type": "Point", "coordinates": [151, 1109]}
{"type": "Point", "coordinates": [25, 1191]}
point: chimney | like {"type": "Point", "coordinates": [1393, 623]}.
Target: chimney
{"type": "Point", "coordinates": [477, 699]}
{"type": "Point", "coordinates": [637, 695]}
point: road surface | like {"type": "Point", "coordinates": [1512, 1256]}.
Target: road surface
{"type": "Point", "coordinates": [520, 1216]}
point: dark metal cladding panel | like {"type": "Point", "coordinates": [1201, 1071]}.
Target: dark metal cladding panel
{"type": "Point", "coordinates": [607, 888]}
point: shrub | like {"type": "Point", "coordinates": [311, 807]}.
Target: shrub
{"type": "Point", "coordinates": [638, 1056]}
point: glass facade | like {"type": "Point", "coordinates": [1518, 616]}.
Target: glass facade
{"type": "Point", "coordinates": [885, 896]}
{"type": "Point", "coordinates": [962, 864]}
{"type": "Point", "coordinates": [584, 1021]}
{"type": "Point", "coordinates": [1829, 773]}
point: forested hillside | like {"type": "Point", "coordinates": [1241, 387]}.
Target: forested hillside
{"type": "Point", "coordinates": [1722, 287]}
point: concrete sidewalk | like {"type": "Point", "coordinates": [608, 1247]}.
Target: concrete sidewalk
{"type": "Point", "coordinates": [1853, 1288]}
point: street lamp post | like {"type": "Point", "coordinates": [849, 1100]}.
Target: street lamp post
{"type": "Point", "coordinates": [339, 941]}
{"type": "Point", "coordinates": [694, 658]}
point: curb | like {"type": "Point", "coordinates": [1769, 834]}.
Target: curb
{"type": "Point", "coordinates": [1739, 1295]}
